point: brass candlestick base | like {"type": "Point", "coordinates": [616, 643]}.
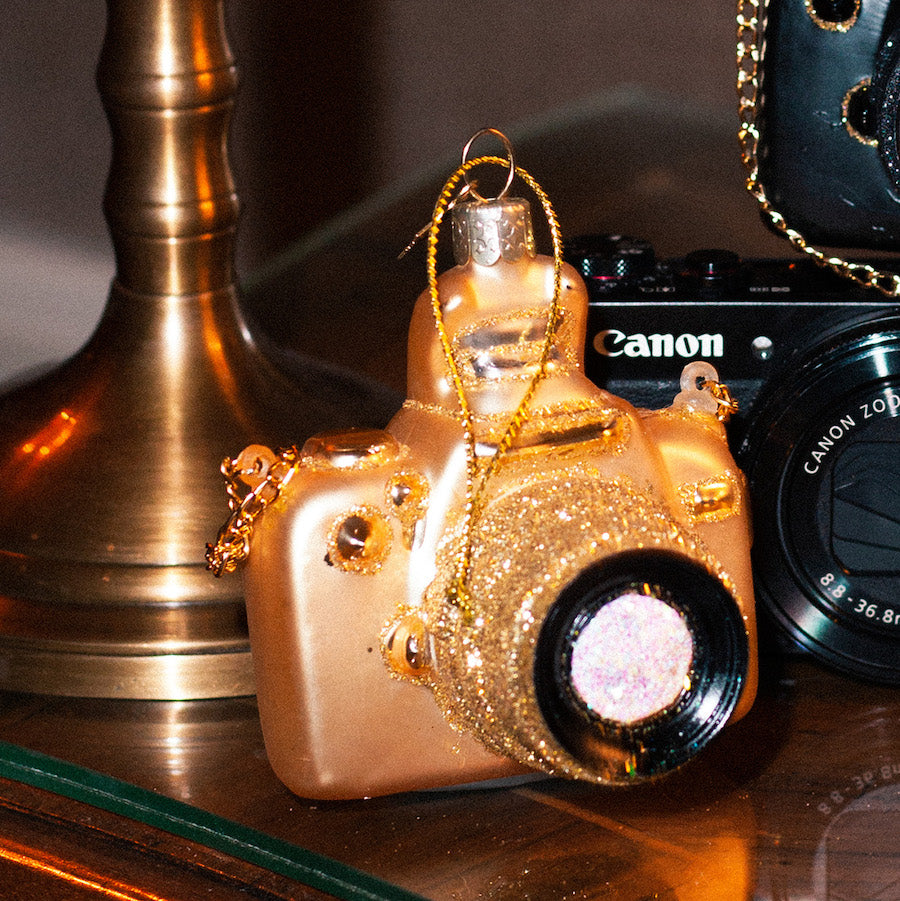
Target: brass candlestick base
{"type": "Point", "coordinates": [109, 483]}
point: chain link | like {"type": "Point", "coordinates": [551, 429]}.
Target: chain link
{"type": "Point", "coordinates": [726, 403]}
{"type": "Point", "coordinates": [253, 480]}
{"type": "Point", "coordinates": [750, 53]}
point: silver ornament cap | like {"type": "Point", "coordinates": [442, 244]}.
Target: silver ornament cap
{"type": "Point", "coordinates": [486, 232]}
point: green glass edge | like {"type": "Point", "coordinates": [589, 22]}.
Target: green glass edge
{"type": "Point", "coordinates": [254, 847]}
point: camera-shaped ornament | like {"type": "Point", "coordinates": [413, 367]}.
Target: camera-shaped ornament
{"type": "Point", "coordinates": [521, 572]}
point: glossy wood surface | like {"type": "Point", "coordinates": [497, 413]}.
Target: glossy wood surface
{"type": "Point", "coordinates": [54, 847]}
{"type": "Point", "coordinates": [799, 800]}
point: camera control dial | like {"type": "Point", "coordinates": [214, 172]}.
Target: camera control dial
{"type": "Point", "coordinates": [616, 259]}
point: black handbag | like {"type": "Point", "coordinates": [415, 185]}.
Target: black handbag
{"type": "Point", "coordinates": [819, 89]}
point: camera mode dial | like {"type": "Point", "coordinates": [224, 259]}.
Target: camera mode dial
{"type": "Point", "coordinates": [618, 260]}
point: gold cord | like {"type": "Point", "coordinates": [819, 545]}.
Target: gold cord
{"type": "Point", "coordinates": [475, 485]}
{"type": "Point", "coordinates": [271, 476]}
{"type": "Point", "coordinates": [750, 51]}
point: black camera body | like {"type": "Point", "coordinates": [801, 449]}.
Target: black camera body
{"type": "Point", "coordinates": [815, 364]}
{"type": "Point", "coordinates": [830, 95]}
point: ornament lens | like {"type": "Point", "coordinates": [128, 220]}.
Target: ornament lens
{"type": "Point", "coordinates": [640, 663]}
{"type": "Point", "coordinates": [632, 659]}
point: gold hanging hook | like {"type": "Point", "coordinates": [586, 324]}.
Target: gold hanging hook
{"type": "Point", "coordinates": [470, 187]}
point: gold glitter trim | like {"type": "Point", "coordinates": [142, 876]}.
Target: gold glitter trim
{"type": "Point", "coordinates": [843, 25]}
{"type": "Point", "coordinates": [863, 85]}
{"type": "Point", "coordinates": [406, 495]}
{"type": "Point", "coordinates": [510, 347]}
{"type": "Point", "coordinates": [713, 500]}
{"type": "Point", "coordinates": [359, 541]}
{"type": "Point", "coordinates": [351, 449]}
{"type": "Point", "coordinates": [586, 432]}
{"type": "Point", "coordinates": [529, 542]}
{"type": "Point", "coordinates": [697, 419]}
{"type": "Point", "coordinates": [406, 648]}
{"type": "Point", "coordinates": [564, 423]}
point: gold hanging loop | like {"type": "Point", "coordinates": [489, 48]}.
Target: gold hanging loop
{"type": "Point", "coordinates": [471, 185]}
{"type": "Point", "coordinates": [475, 483]}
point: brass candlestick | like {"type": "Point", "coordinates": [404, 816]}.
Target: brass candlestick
{"type": "Point", "coordinates": [109, 483]}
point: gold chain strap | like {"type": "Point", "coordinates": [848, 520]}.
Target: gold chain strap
{"type": "Point", "coordinates": [262, 474]}
{"type": "Point", "coordinates": [750, 51]}
{"type": "Point", "coordinates": [726, 403]}
{"type": "Point", "coordinates": [475, 482]}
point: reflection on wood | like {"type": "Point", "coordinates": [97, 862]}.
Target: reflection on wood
{"type": "Point", "coordinates": [801, 799]}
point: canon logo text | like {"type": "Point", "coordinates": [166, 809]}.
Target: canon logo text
{"type": "Point", "coordinates": [613, 343]}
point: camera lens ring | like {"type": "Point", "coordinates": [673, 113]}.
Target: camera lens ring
{"type": "Point", "coordinates": [885, 89]}
{"type": "Point", "coordinates": [818, 456]}
{"type": "Point", "coordinates": [625, 752]}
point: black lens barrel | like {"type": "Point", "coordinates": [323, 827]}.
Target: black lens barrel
{"type": "Point", "coordinates": [664, 741]}
{"type": "Point", "coordinates": [823, 459]}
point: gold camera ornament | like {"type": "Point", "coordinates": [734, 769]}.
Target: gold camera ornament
{"type": "Point", "coordinates": [521, 572]}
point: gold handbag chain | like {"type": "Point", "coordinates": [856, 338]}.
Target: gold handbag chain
{"type": "Point", "coordinates": [750, 51]}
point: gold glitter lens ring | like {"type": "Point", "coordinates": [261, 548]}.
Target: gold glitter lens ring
{"type": "Point", "coordinates": [507, 146]}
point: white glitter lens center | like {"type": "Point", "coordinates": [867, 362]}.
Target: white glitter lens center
{"type": "Point", "coordinates": [632, 659]}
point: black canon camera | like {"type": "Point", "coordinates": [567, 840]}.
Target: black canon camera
{"type": "Point", "coordinates": [829, 115]}
{"type": "Point", "coordinates": [815, 364]}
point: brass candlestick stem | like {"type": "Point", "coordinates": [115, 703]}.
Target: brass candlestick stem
{"type": "Point", "coordinates": [109, 483]}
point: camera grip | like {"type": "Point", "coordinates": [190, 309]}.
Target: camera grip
{"type": "Point", "coordinates": [336, 723]}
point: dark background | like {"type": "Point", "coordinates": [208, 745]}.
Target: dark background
{"type": "Point", "coordinates": [340, 102]}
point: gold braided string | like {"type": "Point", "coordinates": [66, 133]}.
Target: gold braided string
{"type": "Point", "coordinates": [750, 51]}
{"type": "Point", "coordinates": [475, 484]}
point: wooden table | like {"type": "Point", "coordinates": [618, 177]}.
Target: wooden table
{"type": "Point", "coordinates": [800, 800]}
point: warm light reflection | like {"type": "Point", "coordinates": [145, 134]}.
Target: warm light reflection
{"type": "Point", "coordinates": [220, 361]}
{"type": "Point", "coordinates": [176, 759]}
{"type": "Point", "coordinates": [51, 437]}
{"type": "Point", "coordinates": [167, 63]}
{"type": "Point", "coordinates": [171, 677]}
{"type": "Point", "coordinates": [175, 375]}
{"type": "Point", "coordinates": [200, 43]}
{"type": "Point", "coordinates": [699, 859]}
{"type": "Point", "coordinates": [202, 175]}
{"type": "Point", "coordinates": [207, 209]}
{"type": "Point", "coordinates": [174, 338]}
{"type": "Point", "coordinates": [171, 588]}
{"type": "Point", "coordinates": [74, 874]}
{"type": "Point", "coordinates": [192, 190]}
{"type": "Point", "coordinates": [171, 162]}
